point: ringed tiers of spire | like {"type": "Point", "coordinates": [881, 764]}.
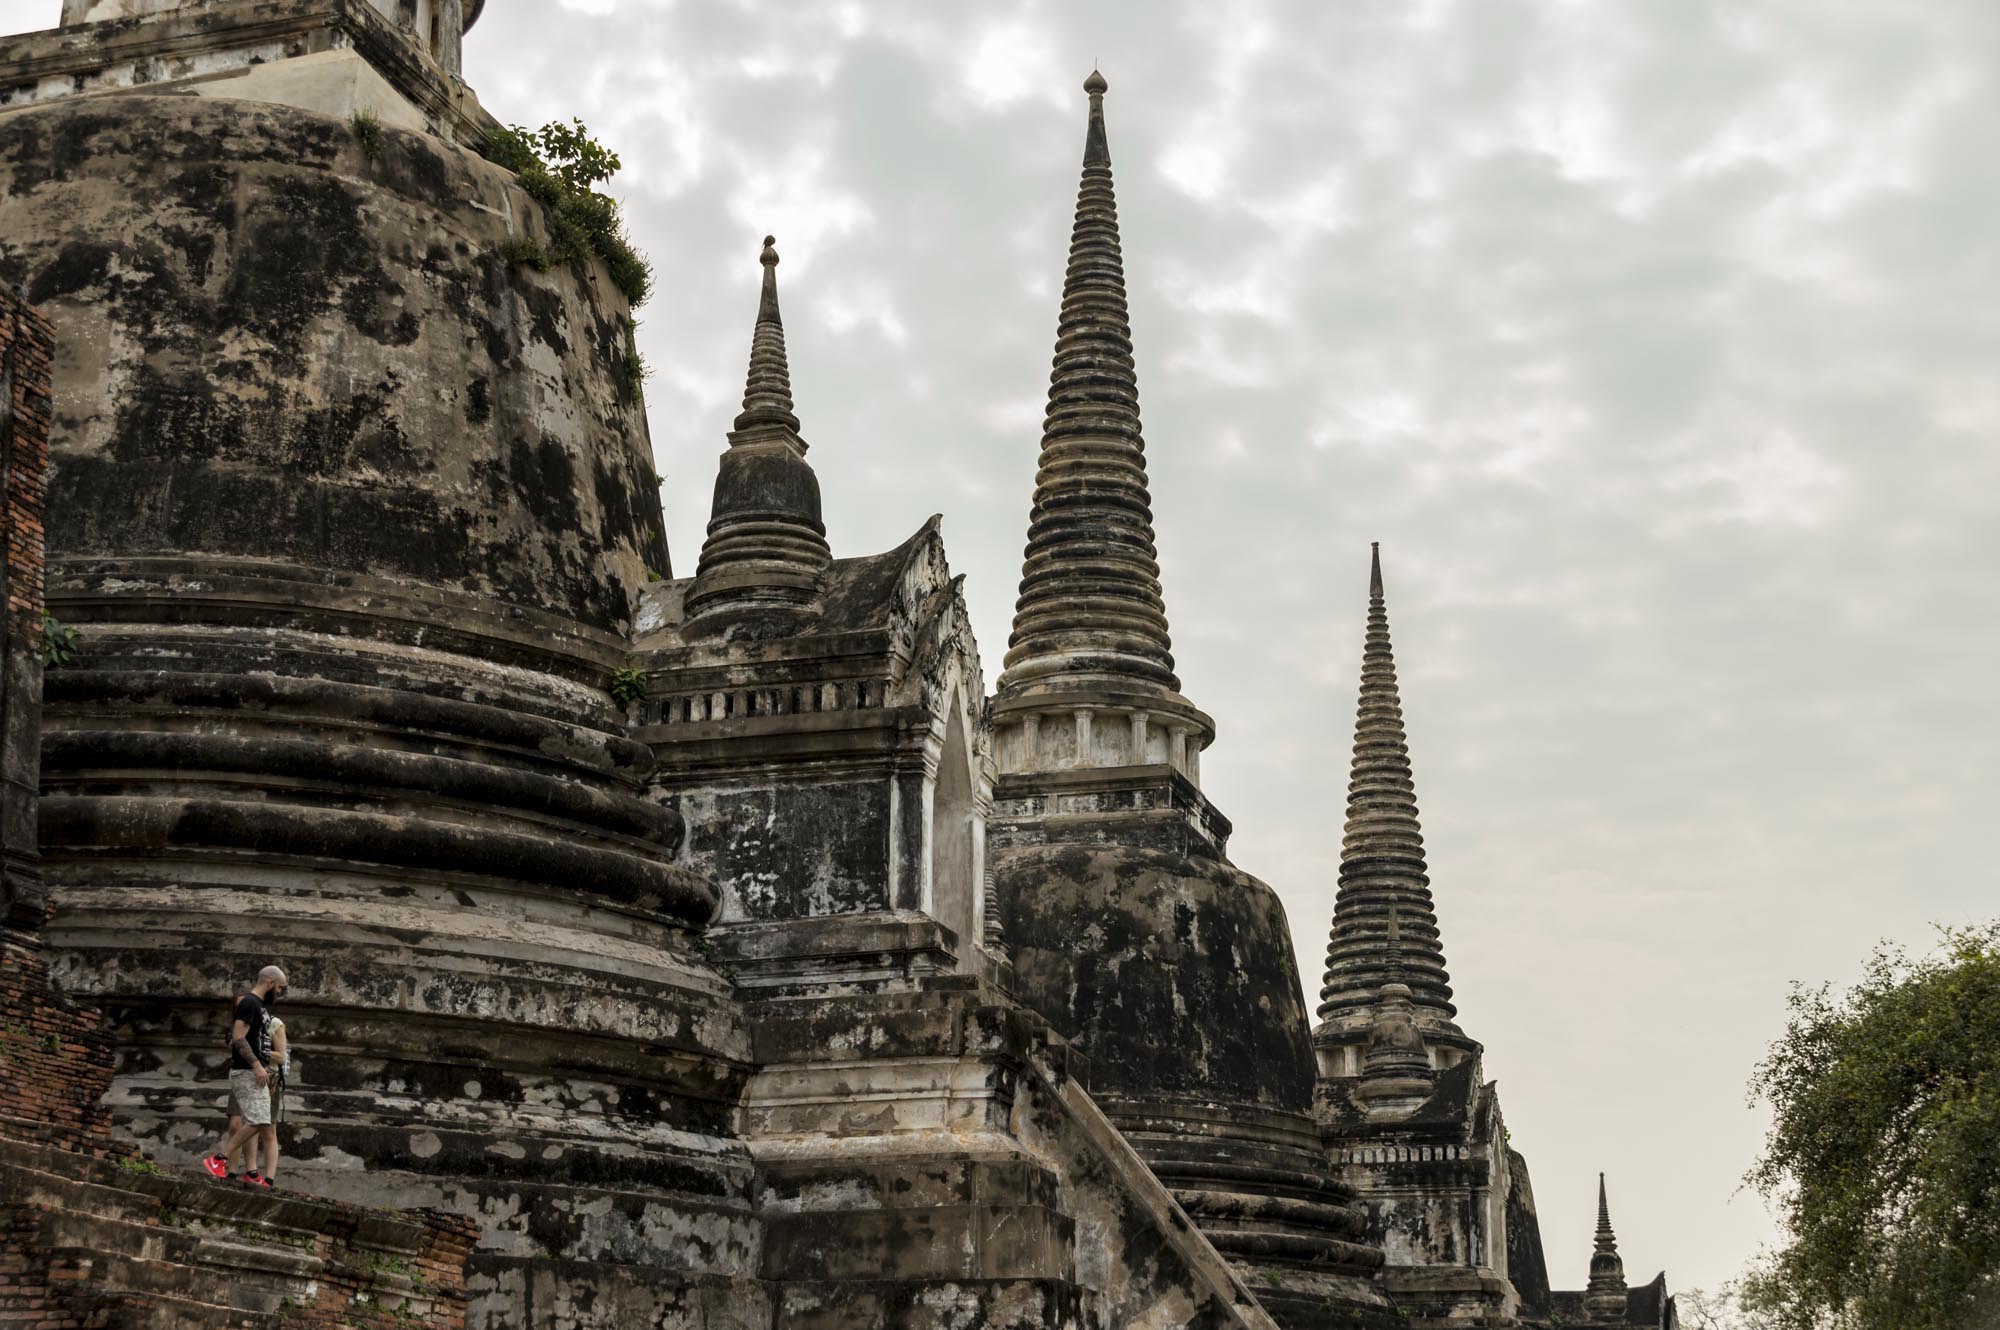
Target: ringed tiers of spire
{"type": "Point", "coordinates": [1090, 615]}
{"type": "Point", "coordinates": [766, 543]}
{"type": "Point", "coordinates": [1605, 1294]}
{"type": "Point", "coordinates": [1385, 930]}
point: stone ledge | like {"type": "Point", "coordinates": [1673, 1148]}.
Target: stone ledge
{"type": "Point", "coordinates": [235, 35]}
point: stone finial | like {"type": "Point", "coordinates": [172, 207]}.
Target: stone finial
{"type": "Point", "coordinates": [767, 389]}
{"type": "Point", "coordinates": [766, 543]}
{"type": "Point", "coordinates": [1605, 1296]}
{"type": "Point", "coordinates": [1090, 611]}
{"type": "Point", "coordinates": [1096, 145]}
{"type": "Point", "coordinates": [1384, 923]}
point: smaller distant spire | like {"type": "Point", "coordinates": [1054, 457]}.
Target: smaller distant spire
{"type": "Point", "coordinates": [766, 543]}
{"type": "Point", "coordinates": [1605, 1294]}
{"type": "Point", "coordinates": [1385, 920]}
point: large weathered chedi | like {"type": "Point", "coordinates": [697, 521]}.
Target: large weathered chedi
{"type": "Point", "coordinates": [810, 987]}
{"type": "Point", "coordinates": [352, 518]}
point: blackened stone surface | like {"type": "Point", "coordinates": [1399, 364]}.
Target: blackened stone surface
{"type": "Point", "coordinates": [1527, 1268]}
{"type": "Point", "coordinates": [1174, 973]}
{"type": "Point", "coordinates": [276, 347]}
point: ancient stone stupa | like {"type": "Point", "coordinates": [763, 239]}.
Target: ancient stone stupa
{"type": "Point", "coordinates": [705, 952]}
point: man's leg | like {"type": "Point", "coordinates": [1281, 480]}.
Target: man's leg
{"type": "Point", "coordinates": [221, 1151]}
{"type": "Point", "coordinates": [269, 1136]}
{"type": "Point", "coordinates": [233, 1146]}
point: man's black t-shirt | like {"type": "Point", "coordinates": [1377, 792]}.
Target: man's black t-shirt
{"type": "Point", "coordinates": [249, 1010]}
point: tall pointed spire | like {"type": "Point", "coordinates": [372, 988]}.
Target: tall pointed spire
{"type": "Point", "coordinates": [766, 543]}
{"type": "Point", "coordinates": [1605, 1294]}
{"type": "Point", "coordinates": [1384, 924]}
{"type": "Point", "coordinates": [1090, 612]}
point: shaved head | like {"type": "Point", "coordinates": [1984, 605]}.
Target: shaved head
{"type": "Point", "coordinates": [270, 976]}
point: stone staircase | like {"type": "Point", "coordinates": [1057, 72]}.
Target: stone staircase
{"type": "Point", "coordinates": [97, 1243]}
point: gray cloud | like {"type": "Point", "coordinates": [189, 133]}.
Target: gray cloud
{"type": "Point", "coordinates": [1656, 341]}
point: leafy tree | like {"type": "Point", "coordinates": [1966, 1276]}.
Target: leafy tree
{"type": "Point", "coordinates": [1719, 1308]}
{"type": "Point", "coordinates": [1884, 1154]}
{"type": "Point", "coordinates": [560, 166]}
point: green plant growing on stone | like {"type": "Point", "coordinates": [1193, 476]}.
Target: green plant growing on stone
{"type": "Point", "coordinates": [59, 643]}
{"type": "Point", "coordinates": [367, 129]}
{"type": "Point", "coordinates": [635, 365]}
{"type": "Point", "coordinates": [382, 1263]}
{"type": "Point", "coordinates": [628, 684]}
{"type": "Point", "coordinates": [524, 252]}
{"type": "Point", "coordinates": [146, 1167]}
{"type": "Point", "coordinates": [560, 167]}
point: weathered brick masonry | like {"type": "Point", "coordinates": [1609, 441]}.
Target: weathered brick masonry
{"type": "Point", "coordinates": [27, 347]}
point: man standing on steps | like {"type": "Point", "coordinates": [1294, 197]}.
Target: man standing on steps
{"type": "Point", "coordinates": [249, 1078]}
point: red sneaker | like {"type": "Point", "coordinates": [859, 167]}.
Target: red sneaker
{"type": "Point", "coordinates": [255, 1180]}
{"type": "Point", "coordinates": [217, 1166]}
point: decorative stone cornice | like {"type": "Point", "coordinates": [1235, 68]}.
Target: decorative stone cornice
{"type": "Point", "coordinates": [766, 543]}
{"type": "Point", "coordinates": [1384, 924]}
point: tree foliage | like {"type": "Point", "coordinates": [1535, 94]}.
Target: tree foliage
{"type": "Point", "coordinates": [560, 166]}
{"type": "Point", "coordinates": [1884, 1153]}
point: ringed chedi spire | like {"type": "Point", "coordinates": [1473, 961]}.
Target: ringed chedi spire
{"type": "Point", "coordinates": [1089, 674]}
{"type": "Point", "coordinates": [766, 543]}
{"type": "Point", "coordinates": [1385, 930]}
{"type": "Point", "coordinates": [1605, 1294]}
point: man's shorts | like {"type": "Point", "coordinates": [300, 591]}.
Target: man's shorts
{"type": "Point", "coordinates": [249, 1100]}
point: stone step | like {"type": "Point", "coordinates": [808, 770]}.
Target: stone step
{"type": "Point", "coordinates": [21, 1185]}
{"type": "Point", "coordinates": [112, 1271]}
{"type": "Point", "coordinates": [284, 1214]}
{"type": "Point", "coordinates": [141, 1311]}
{"type": "Point", "coordinates": [77, 1231]}
{"type": "Point", "coordinates": [104, 1187]}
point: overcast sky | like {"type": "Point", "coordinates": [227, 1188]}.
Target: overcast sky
{"type": "Point", "coordinates": [1656, 341]}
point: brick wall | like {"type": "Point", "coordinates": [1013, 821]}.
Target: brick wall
{"type": "Point", "coordinates": [55, 1057]}
{"type": "Point", "coordinates": [55, 1060]}
{"type": "Point", "coordinates": [27, 347]}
